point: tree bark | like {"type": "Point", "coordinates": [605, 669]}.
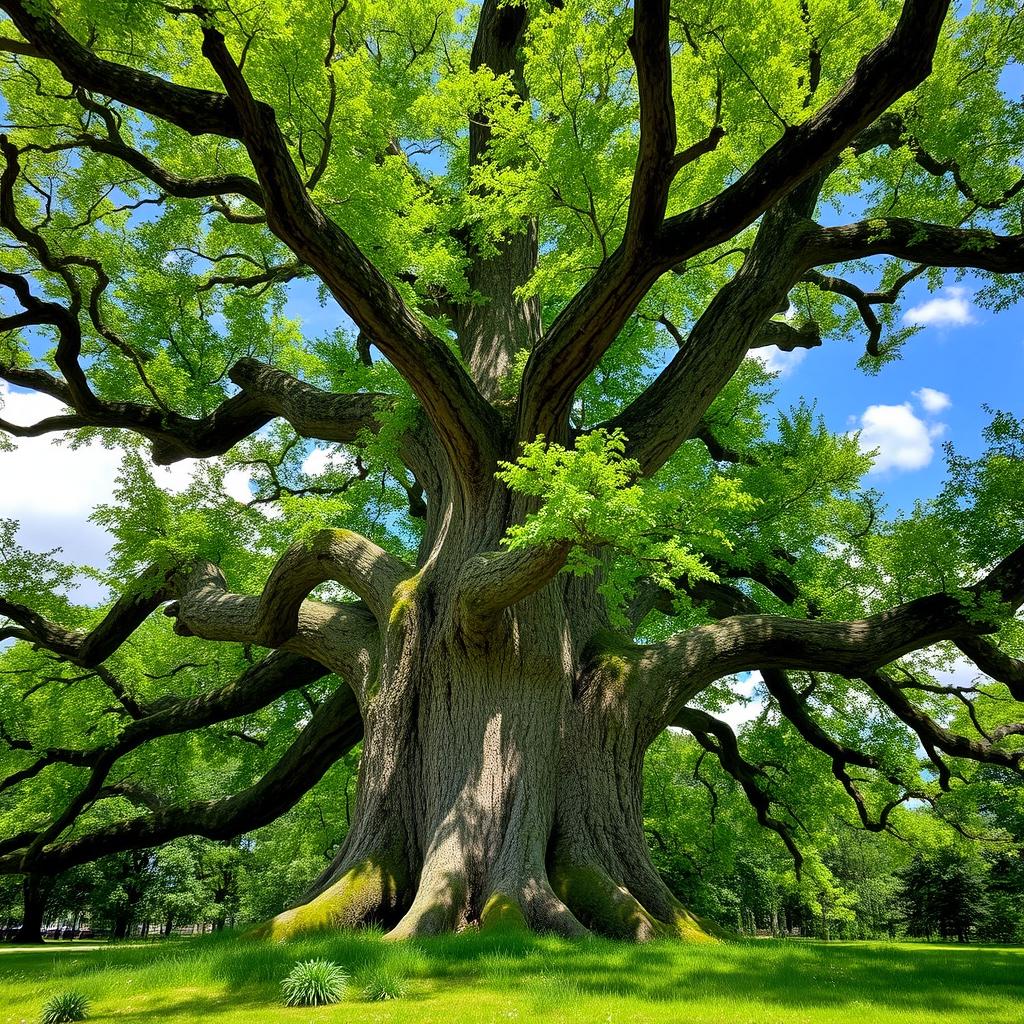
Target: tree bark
{"type": "Point", "coordinates": [495, 789]}
{"type": "Point", "coordinates": [36, 892]}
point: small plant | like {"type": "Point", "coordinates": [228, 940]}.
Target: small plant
{"type": "Point", "coordinates": [314, 983]}
{"type": "Point", "coordinates": [65, 1007]}
{"type": "Point", "coordinates": [382, 983]}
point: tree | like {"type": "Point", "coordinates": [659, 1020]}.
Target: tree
{"type": "Point", "coordinates": [558, 229]}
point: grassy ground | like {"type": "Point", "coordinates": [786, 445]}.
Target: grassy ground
{"type": "Point", "coordinates": [481, 979]}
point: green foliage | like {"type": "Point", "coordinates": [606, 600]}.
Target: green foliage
{"type": "Point", "coordinates": [65, 1007]}
{"type": "Point", "coordinates": [593, 496]}
{"type": "Point", "coordinates": [315, 983]}
{"type": "Point", "coordinates": [383, 983]}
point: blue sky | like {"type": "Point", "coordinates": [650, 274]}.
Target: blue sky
{"type": "Point", "coordinates": [972, 356]}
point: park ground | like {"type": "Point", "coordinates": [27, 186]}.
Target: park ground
{"type": "Point", "coordinates": [479, 978]}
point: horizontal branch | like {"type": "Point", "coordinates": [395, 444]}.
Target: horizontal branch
{"type": "Point", "coordinates": [333, 730]}
{"type": "Point", "coordinates": [197, 111]}
{"type": "Point", "coordinates": [266, 393]}
{"type": "Point", "coordinates": [672, 672]}
{"type": "Point", "coordinates": [495, 580]}
{"type": "Point", "coordinates": [936, 245]}
{"type": "Point", "coordinates": [153, 587]}
{"type": "Point", "coordinates": [206, 608]}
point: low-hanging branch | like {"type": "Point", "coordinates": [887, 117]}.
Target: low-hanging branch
{"type": "Point", "coordinates": [332, 731]}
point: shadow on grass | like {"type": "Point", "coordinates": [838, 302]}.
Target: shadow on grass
{"type": "Point", "coordinates": [976, 982]}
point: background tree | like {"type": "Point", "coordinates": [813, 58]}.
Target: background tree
{"type": "Point", "coordinates": [558, 230]}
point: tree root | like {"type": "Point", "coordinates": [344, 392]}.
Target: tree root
{"type": "Point", "coordinates": [607, 908]}
{"type": "Point", "coordinates": [368, 891]}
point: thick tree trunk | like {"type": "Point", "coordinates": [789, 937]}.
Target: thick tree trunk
{"type": "Point", "coordinates": [36, 892]}
{"type": "Point", "coordinates": [493, 791]}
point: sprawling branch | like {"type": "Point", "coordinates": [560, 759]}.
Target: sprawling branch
{"type": "Point", "coordinates": [936, 245]}
{"type": "Point", "coordinates": [590, 322]}
{"type": "Point", "coordinates": [718, 738]}
{"type": "Point", "coordinates": [266, 393]}
{"type": "Point", "coordinates": [674, 671]}
{"type": "Point", "coordinates": [153, 587]}
{"type": "Point", "coordinates": [334, 729]}
{"type": "Point", "coordinates": [206, 608]}
{"type": "Point", "coordinates": [465, 422]}
{"type": "Point", "coordinates": [197, 111]}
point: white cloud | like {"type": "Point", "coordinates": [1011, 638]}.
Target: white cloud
{"type": "Point", "coordinates": [747, 707]}
{"type": "Point", "coordinates": [902, 439]}
{"type": "Point", "coordinates": [932, 400]}
{"type": "Point", "coordinates": [52, 488]}
{"type": "Point", "coordinates": [951, 309]}
{"type": "Point", "coordinates": [319, 460]}
{"type": "Point", "coordinates": [774, 360]}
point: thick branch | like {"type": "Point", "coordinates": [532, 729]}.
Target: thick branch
{"type": "Point", "coordinates": [495, 580]}
{"type": "Point", "coordinates": [197, 111]}
{"type": "Point", "coordinates": [334, 729]}
{"type": "Point", "coordinates": [936, 245]}
{"type": "Point", "coordinates": [685, 664]}
{"type": "Point", "coordinates": [591, 321]}
{"type": "Point", "coordinates": [206, 608]}
{"type": "Point", "coordinates": [466, 424]}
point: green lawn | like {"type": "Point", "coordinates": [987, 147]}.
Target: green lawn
{"type": "Point", "coordinates": [502, 978]}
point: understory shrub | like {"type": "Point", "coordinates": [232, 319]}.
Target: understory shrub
{"type": "Point", "coordinates": [65, 1007]}
{"type": "Point", "coordinates": [383, 982]}
{"type": "Point", "coordinates": [315, 983]}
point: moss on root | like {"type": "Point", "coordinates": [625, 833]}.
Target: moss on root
{"type": "Point", "coordinates": [501, 913]}
{"type": "Point", "coordinates": [359, 895]}
{"type": "Point", "coordinates": [611, 910]}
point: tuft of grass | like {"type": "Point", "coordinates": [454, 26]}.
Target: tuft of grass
{"type": "Point", "coordinates": [65, 1007]}
{"type": "Point", "coordinates": [229, 979]}
{"type": "Point", "coordinates": [315, 983]}
{"type": "Point", "coordinates": [382, 983]}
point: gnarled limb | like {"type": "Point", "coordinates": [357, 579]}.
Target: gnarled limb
{"type": "Point", "coordinates": [464, 421]}
{"type": "Point", "coordinates": [257, 687]}
{"type": "Point", "coordinates": [717, 737]}
{"type": "Point", "coordinates": [206, 608]}
{"type": "Point", "coordinates": [154, 586]}
{"type": "Point", "coordinates": [587, 326]}
{"type": "Point", "coordinates": [197, 111]}
{"type": "Point", "coordinates": [333, 730]}
{"type": "Point", "coordinates": [937, 245]}
{"type": "Point", "coordinates": [495, 580]}
{"type": "Point", "coordinates": [668, 674]}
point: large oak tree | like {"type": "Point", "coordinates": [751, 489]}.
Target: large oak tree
{"type": "Point", "coordinates": [558, 229]}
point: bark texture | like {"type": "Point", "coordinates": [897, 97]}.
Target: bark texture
{"type": "Point", "coordinates": [504, 720]}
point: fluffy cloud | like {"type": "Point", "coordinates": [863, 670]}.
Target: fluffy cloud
{"type": "Point", "coordinates": [931, 400]}
{"type": "Point", "coordinates": [902, 439]}
{"type": "Point", "coordinates": [774, 360]}
{"type": "Point", "coordinates": [51, 488]}
{"type": "Point", "coordinates": [950, 309]}
{"type": "Point", "coordinates": [319, 460]}
{"type": "Point", "coordinates": [178, 476]}
{"type": "Point", "coordinates": [747, 706]}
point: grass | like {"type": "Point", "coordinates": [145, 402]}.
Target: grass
{"type": "Point", "coordinates": [484, 979]}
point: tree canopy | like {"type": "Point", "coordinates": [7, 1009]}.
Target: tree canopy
{"type": "Point", "coordinates": [549, 516]}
